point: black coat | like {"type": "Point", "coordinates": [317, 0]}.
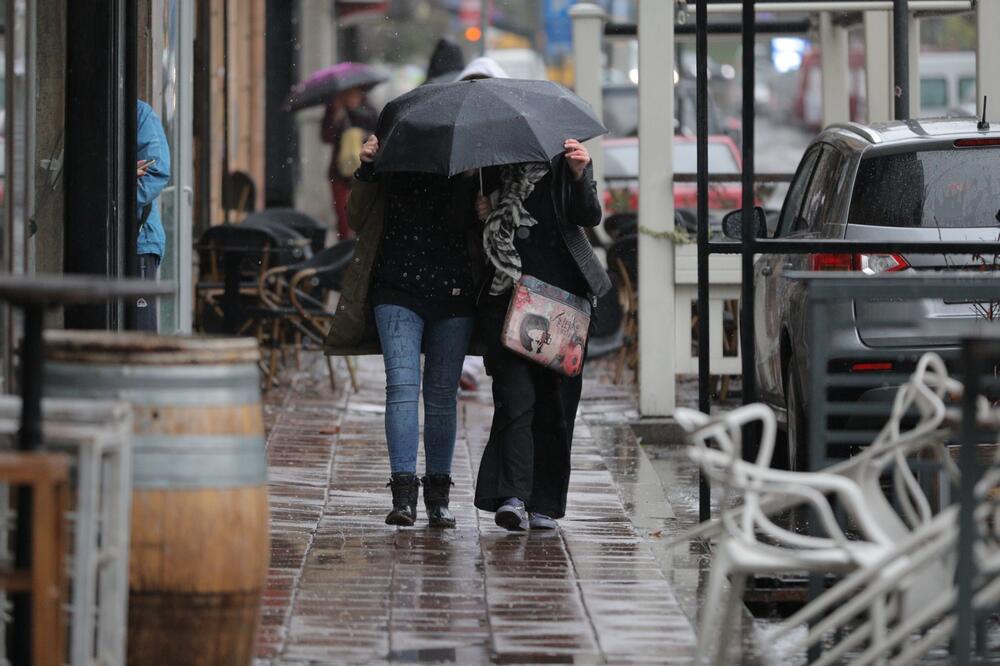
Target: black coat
{"type": "Point", "coordinates": [577, 207]}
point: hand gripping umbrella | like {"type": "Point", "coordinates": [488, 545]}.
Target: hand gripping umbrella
{"type": "Point", "coordinates": [317, 88]}
{"type": "Point", "coordinates": [449, 128]}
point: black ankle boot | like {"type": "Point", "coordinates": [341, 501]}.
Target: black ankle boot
{"type": "Point", "coordinates": [436, 490]}
{"type": "Point", "coordinates": [405, 488]}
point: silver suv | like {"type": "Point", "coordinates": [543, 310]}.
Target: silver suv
{"type": "Point", "coordinates": [925, 180]}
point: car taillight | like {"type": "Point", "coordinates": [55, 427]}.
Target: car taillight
{"type": "Point", "coordinates": [869, 264]}
{"type": "Point", "coordinates": [831, 262]}
{"type": "Point", "coordinates": [874, 264]}
{"type": "Point", "coordinates": [871, 367]}
{"type": "Point", "coordinates": [976, 143]}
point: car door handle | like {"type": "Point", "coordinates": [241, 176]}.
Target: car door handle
{"type": "Point", "coordinates": [766, 270]}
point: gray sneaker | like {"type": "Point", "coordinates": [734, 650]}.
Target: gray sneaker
{"type": "Point", "coordinates": [539, 521]}
{"type": "Point", "coordinates": [512, 515]}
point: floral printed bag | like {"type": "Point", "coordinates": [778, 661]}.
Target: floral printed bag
{"type": "Point", "coordinates": [547, 325]}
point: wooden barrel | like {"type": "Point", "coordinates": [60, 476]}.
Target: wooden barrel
{"type": "Point", "coordinates": [199, 537]}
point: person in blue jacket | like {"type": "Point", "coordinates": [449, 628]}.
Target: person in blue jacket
{"type": "Point", "coordinates": [153, 173]}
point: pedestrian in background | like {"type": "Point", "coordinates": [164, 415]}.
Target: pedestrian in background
{"type": "Point", "coordinates": [413, 276]}
{"type": "Point", "coordinates": [153, 174]}
{"type": "Point", "coordinates": [524, 473]}
{"type": "Point", "coordinates": [349, 119]}
{"type": "Point", "coordinates": [446, 62]}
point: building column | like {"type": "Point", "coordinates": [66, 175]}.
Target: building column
{"type": "Point", "coordinates": [836, 74]}
{"type": "Point", "coordinates": [318, 48]}
{"type": "Point", "coordinates": [657, 365]}
{"type": "Point", "coordinates": [588, 35]}
{"type": "Point", "coordinates": [987, 57]}
{"type": "Point", "coordinates": [878, 66]}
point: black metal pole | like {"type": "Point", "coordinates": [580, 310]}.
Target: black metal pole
{"type": "Point", "coordinates": [901, 57]}
{"type": "Point", "coordinates": [130, 235]}
{"type": "Point", "coordinates": [794, 27]}
{"type": "Point", "coordinates": [965, 570]}
{"type": "Point", "coordinates": [29, 439]}
{"type": "Point", "coordinates": [32, 356]}
{"type": "Point", "coordinates": [746, 291]}
{"type": "Point", "coordinates": [701, 112]}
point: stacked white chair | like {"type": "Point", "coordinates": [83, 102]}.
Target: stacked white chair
{"type": "Point", "coordinates": [893, 592]}
{"type": "Point", "coordinates": [741, 551]}
{"type": "Point", "coordinates": [97, 435]}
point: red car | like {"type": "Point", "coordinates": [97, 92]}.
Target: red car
{"type": "Point", "coordinates": [621, 173]}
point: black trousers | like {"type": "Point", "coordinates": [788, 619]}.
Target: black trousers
{"type": "Point", "coordinates": [145, 308]}
{"type": "Point", "coordinates": [528, 453]}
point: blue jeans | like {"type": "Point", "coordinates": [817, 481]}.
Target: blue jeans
{"type": "Point", "coordinates": [402, 333]}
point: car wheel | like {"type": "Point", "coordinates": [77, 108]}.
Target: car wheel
{"type": "Point", "coordinates": [797, 447]}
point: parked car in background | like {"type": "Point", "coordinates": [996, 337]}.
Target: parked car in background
{"type": "Point", "coordinates": [924, 180]}
{"type": "Point", "coordinates": [621, 173]}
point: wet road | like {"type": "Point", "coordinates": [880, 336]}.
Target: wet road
{"type": "Point", "coordinates": [346, 588]}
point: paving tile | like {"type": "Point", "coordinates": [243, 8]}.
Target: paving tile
{"type": "Point", "coordinates": [345, 588]}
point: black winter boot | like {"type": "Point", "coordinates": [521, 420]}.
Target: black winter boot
{"type": "Point", "coordinates": [405, 488]}
{"type": "Point", "coordinates": [436, 490]}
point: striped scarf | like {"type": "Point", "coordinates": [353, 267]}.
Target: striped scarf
{"type": "Point", "coordinates": [498, 239]}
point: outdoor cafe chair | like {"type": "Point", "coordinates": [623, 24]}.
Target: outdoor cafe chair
{"type": "Point", "coordinates": [297, 302]}
{"type": "Point", "coordinates": [248, 250]}
{"type": "Point", "coordinates": [751, 542]}
{"type": "Point", "coordinates": [623, 263]}
{"type": "Point", "coordinates": [293, 245]}
{"type": "Point", "coordinates": [926, 542]}
{"type": "Point", "coordinates": [311, 228]}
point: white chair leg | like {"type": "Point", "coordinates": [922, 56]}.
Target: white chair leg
{"type": "Point", "coordinates": [731, 611]}
{"type": "Point", "coordinates": [714, 600]}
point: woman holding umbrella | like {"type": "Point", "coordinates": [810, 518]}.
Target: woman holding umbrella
{"type": "Point", "coordinates": [413, 276]}
{"type": "Point", "coordinates": [542, 208]}
{"type": "Point", "coordinates": [415, 262]}
{"type": "Point", "coordinates": [348, 120]}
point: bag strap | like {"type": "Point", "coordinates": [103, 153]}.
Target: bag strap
{"type": "Point", "coordinates": [147, 209]}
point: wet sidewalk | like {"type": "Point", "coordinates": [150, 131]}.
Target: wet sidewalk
{"type": "Point", "coordinates": [346, 588]}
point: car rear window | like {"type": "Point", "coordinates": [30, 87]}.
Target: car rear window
{"type": "Point", "coordinates": [947, 189]}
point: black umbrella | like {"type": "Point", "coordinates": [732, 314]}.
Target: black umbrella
{"type": "Point", "coordinates": [317, 88]}
{"type": "Point", "coordinates": [448, 128]}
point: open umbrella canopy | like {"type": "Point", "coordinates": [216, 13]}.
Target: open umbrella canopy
{"type": "Point", "coordinates": [448, 128]}
{"type": "Point", "coordinates": [317, 88]}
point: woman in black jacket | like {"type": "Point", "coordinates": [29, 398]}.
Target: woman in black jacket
{"type": "Point", "coordinates": [422, 294]}
{"type": "Point", "coordinates": [536, 228]}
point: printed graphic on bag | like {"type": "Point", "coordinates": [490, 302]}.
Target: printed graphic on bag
{"type": "Point", "coordinates": [547, 325]}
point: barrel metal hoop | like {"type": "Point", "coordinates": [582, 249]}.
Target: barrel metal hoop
{"type": "Point", "coordinates": [203, 461]}
{"type": "Point", "coordinates": [156, 385]}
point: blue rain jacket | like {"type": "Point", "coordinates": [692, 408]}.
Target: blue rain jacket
{"type": "Point", "coordinates": [151, 144]}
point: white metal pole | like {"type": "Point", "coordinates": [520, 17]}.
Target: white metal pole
{"type": "Point", "coordinates": [657, 364]}
{"type": "Point", "coordinates": [878, 66]}
{"type": "Point", "coordinates": [588, 34]}
{"type": "Point", "coordinates": [835, 64]}
{"type": "Point", "coordinates": [988, 58]}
